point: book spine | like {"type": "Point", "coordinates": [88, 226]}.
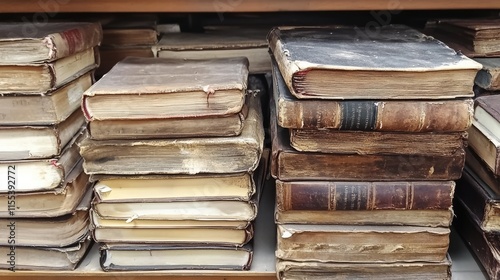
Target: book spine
{"type": "Point", "coordinates": [338, 196]}
{"type": "Point", "coordinates": [403, 116]}
{"type": "Point", "coordinates": [73, 41]}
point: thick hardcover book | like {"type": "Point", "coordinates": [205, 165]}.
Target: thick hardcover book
{"type": "Point", "coordinates": [22, 176]}
{"type": "Point", "coordinates": [129, 257]}
{"type": "Point", "coordinates": [125, 32]}
{"type": "Point", "coordinates": [426, 203]}
{"type": "Point", "coordinates": [344, 63]}
{"type": "Point", "coordinates": [451, 115]}
{"type": "Point", "coordinates": [112, 55]}
{"type": "Point", "coordinates": [481, 201]}
{"type": "Point", "coordinates": [362, 244]}
{"type": "Point", "coordinates": [177, 88]}
{"type": "Point", "coordinates": [479, 167]}
{"type": "Point", "coordinates": [50, 232]}
{"type": "Point", "coordinates": [485, 245]}
{"type": "Point", "coordinates": [25, 43]}
{"type": "Point", "coordinates": [489, 77]}
{"type": "Point", "coordinates": [227, 43]}
{"type": "Point", "coordinates": [487, 113]}
{"type": "Point", "coordinates": [49, 109]}
{"type": "Point", "coordinates": [215, 155]}
{"type": "Point", "coordinates": [290, 165]}
{"type": "Point", "coordinates": [486, 145]}
{"type": "Point", "coordinates": [18, 142]}
{"type": "Point", "coordinates": [288, 270]}
{"type": "Point", "coordinates": [375, 142]}
{"type": "Point", "coordinates": [43, 78]}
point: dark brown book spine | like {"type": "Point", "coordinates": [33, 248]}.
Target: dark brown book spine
{"type": "Point", "coordinates": [335, 196]}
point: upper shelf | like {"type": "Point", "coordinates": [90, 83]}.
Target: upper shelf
{"type": "Point", "coordinates": [225, 6]}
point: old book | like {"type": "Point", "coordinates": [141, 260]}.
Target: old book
{"type": "Point", "coordinates": [480, 200]}
{"type": "Point", "coordinates": [175, 236]}
{"type": "Point", "coordinates": [38, 175]}
{"type": "Point", "coordinates": [486, 145]}
{"type": "Point", "coordinates": [123, 257]}
{"type": "Point", "coordinates": [26, 43]}
{"type": "Point", "coordinates": [288, 270]}
{"type": "Point", "coordinates": [375, 142]}
{"type": "Point", "coordinates": [177, 88]}
{"type": "Point", "coordinates": [489, 77]}
{"type": "Point", "coordinates": [479, 167]}
{"type": "Point", "coordinates": [343, 63]}
{"type": "Point", "coordinates": [110, 56]}
{"type": "Point", "coordinates": [290, 165]}
{"type": "Point", "coordinates": [50, 232]}
{"type": "Point", "coordinates": [46, 258]}
{"type": "Point", "coordinates": [484, 245]}
{"type": "Point", "coordinates": [46, 109]}
{"type": "Point", "coordinates": [36, 142]}
{"type": "Point", "coordinates": [130, 32]}
{"type": "Point", "coordinates": [487, 112]}
{"type": "Point", "coordinates": [54, 203]}
{"type": "Point", "coordinates": [43, 78]}
{"type": "Point", "coordinates": [228, 43]}
{"type": "Point", "coordinates": [426, 203]}
{"type": "Point", "coordinates": [362, 244]}
{"type": "Point", "coordinates": [451, 115]}
{"type": "Point", "coordinates": [215, 155]}
{"type": "Point", "coordinates": [217, 126]}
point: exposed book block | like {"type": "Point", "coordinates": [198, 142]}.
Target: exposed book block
{"type": "Point", "coordinates": [361, 244]}
{"type": "Point", "coordinates": [43, 78]}
{"type": "Point", "coordinates": [35, 142]}
{"type": "Point", "coordinates": [450, 115]}
{"type": "Point", "coordinates": [288, 270]}
{"type": "Point", "coordinates": [489, 77]}
{"type": "Point", "coordinates": [217, 155]}
{"type": "Point", "coordinates": [479, 167]}
{"type": "Point", "coordinates": [486, 145]}
{"type": "Point", "coordinates": [227, 43]}
{"type": "Point", "coordinates": [375, 142]}
{"type": "Point", "coordinates": [175, 236]}
{"type": "Point", "coordinates": [39, 175]}
{"type": "Point", "coordinates": [481, 201]}
{"type": "Point", "coordinates": [343, 63]}
{"type": "Point", "coordinates": [290, 165]}
{"type": "Point", "coordinates": [484, 245]}
{"type": "Point", "coordinates": [50, 232]}
{"type": "Point", "coordinates": [425, 203]}
{"type": "Point", "coordinates": [45, 109]}
{"type": "Point", "coordinates": [126, 257]}
{"type": "Point", "coordinates": [110, 56]}
{"type": "Point", "coordinates": [176, 88]}
{"type": "Point", "coordinates": [53, 203]}
{"type": "Point", "coordinates": [217, 126]}
{"type": "Point", "coordinates": [27, 42]}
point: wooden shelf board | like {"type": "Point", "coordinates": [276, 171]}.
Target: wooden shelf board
{"type": "Point", "coordinates": [225, 6]}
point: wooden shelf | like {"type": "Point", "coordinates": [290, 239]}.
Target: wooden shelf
{"type": "Point", "coordinates": [224, 6]}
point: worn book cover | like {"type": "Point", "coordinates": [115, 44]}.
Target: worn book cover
{"type": "Point", "coordinates": [417, 203]}
{"type": "Point", "coordinates": [452, 115]}
{"type": "Point", "coordinates": [27, 42]}
{"type": "Point", "coordinates": [486, 145]}
{"type": "Point", "coordinates": [215, 155]}
{"type": "Point", "coordinates": [124, 257]}
{"type": "Point", "coordinates": [489, 77]}
{"type": "Point", "coordinates": [290, 165]}
{"type": "Point", "coordinates": [480, 168]}
{"type": "Point", "coordinates": [362, 244]}
{"type": "Point", "coordinates": [177, 88]}
{"type": "Point", "coordinates": [343, 63]}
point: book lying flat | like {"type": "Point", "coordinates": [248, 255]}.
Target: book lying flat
{"type": "Point", "coordinates": [110, 56]}
{"type": "Point", "coordinates": [343, 63]}
{"type": "Point", "coordinates": [288, 270]}
{"type": "Point", "coordinates": [362, 244]}
{"type": "Point", "coordinates": [177, 88]}
{"type": "Point", "coordinates": [215, 155]}
{"type": "Point", "coordinates": [17, 142]}
{"type": "Point", "coordinates": [28, 42]}
{"type": "Point", "coordinates": [129, 257]}
{"type": "Point", "coordinates": [51, 232]}
{"type": "Point", "coordinates": [486, 145]}
{"type": "Point", "coordinates": [425, 203]}
{"type": "Point", "coordinates": [489, 77]}
{"type": "Point", "coordinates": [49, 109]}
{"type": "Point", "coordinates": [482, 171]}
{"type": "Point", "coordinates": [453, 115]}
{"type": "Point", "coordinates": [37, 175]}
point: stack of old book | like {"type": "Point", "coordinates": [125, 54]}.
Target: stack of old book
{"type": "Point", "coordinates": [478, 191]}
{"type": "Point", "coordinates": [368, 135]}
{"type": "Point", "coordinates": [44, 193]}
{"type": "Point", "coordinates": [174, 146]}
